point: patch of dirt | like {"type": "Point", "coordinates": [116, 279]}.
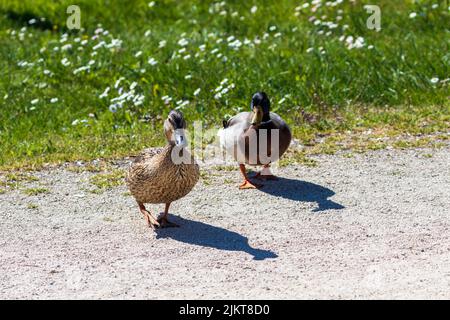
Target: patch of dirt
{"type": "Point", "coordinates": [376, 225]}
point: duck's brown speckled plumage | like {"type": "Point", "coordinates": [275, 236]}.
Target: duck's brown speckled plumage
{"type": "Point", "coordinates": [154, 178]}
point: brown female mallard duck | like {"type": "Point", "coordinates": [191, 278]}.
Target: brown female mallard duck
{"type": "Point", "coordinates": [243, 137]}
{"type": "Point", "coordinates": [164, 175]}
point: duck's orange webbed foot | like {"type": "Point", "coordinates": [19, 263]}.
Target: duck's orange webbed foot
{"type": "Point", "coordinates": [249, 185]}
{"type": "Point", "coordinates": [164, 223]}
{"type": "Point", "coordinates": [266, 174]}
{"type": "Point", "coordinates": [151, 220]}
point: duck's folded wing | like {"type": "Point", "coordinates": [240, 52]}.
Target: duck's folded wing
{"type": "Point", "coordinates": [138, 171]}
{"type": "Point", "coordinates": [240, 118]}
{"type": "Point", "coordinates": [278, 122]}
{"type": "Point", "coordinates": [233, 128]}
{"type": "Point", "coordinates": [147, 154]}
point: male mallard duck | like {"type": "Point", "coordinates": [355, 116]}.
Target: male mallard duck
{"type": "Point", "coordinates": [242, 134]}
{"type": "Point", "coordinates": [161, 176]}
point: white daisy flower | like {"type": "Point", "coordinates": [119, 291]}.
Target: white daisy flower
{"type": "Point", "coordinates": [83, 68]}
{"type": "Point", "coordinates": [162, 44]}
{"type": "Point", "coordinates": [181, 104]}
{"type": "Point", "coordinates": [99, 45]}
{"type": "Point", "coordinates": [183, 42]}
{"type": "Point", "coordinates": [116, 85]}
{"type": "Point", "coordinates": [152, 61]}
{"type": "Point", "coordinates": [105, 93]}
{"type": "Point", "coordinates": [359, 43]}
{"type": "Point", "coordinates": [65, 62]}
{"type": "Point", "coordinates": [113, 107]}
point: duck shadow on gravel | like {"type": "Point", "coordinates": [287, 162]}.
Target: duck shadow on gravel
{"type": "Point", "coordinates": [206, 235]}
{"type": "Point", "coordinates": [299, 190]}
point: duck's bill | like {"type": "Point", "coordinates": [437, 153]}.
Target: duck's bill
{"type": "Point", "coordinates": [257, 115]}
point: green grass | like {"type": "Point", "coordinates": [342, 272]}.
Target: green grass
{"type": "Point", "coordinates": [225, 168]}
{"type": "Point", "coordinates": [206, 176]}
{"type": "Point", "coordinates": [35, 191]}
{"type": "Point", "coordinates": [298, 157]}
{"type": "Point", "coordinates": [20, 177]}
{"type": "Point", "coordinates": [108, 180]}
{"type": "Point", "coordinates": [89, 167]}
{"type": "Point", "coordinates": [326, 90]}
{"type": "Point", "coordinates": [32, 206]}
{"type": "Point", "coordinates": [15, 180]}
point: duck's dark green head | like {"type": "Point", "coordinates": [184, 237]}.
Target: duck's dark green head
{"type": "Point", "coordinates": [261, 108]}
{"type": "Point", "coordinates": [174, 128]}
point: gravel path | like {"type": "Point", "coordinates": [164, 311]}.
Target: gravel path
{"type": "Point", "coordinates": [376, 225]}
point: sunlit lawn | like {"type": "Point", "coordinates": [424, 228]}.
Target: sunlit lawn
{"type": "Point", "coordinates": [103, 91]}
